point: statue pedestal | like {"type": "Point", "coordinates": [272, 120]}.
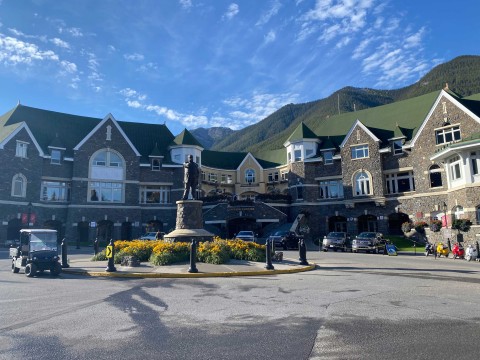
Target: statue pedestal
{"type": "Point", "coordinates": [189, 224]}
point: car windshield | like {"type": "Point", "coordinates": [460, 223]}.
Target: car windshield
{"type": "Point", "coordinates": [280, 233]}
{"type": "Point", "coordinates": [43, 241]}
{"type": "Point", "coordinates": [245, 233]}
{"type": "Point", "coordinates": [367, 235]}
{"type": "Point", "coordinates": [336, 235]}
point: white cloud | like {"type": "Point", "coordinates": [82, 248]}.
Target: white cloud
{"type": "Point", "coordinates": [265, 18]}
{"type": "Point", "coordinates": [270, 37]}
{"type": "Point", "coordinates": [134, 57]}
{"type": "Point", "coordinates": [69, 66]}
{"type": "Point", "coordinates": [60, 43]}
{"type": "Point", "coordinates": [232, 11]}
{"type": "Point", "coordinates": [186, 4]}
{"type": "Point", "coordinates": [14, 51]}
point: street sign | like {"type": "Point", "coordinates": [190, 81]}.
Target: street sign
{"type": "Point", "coordinates": [391, 250]}
{"type": "Point", "coordinates": [109, 251]}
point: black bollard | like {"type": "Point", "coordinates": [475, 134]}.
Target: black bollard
{"type": "Point", "coordinates": [95, 246]}
{"type": "Point", "coordinates": [302, 251]}
{"type": "Point", "coordinates": [449, 244]}
{"type": "Point", "coordinates": [477, 245]}
{"type": "Point", "coordinates": [193, 256]}
{"type": "Point", "coordinates": [111, 260]}
{"type": "Point", "coordinates": [268, 250]}
{"type": "Point", "coordinates": [64, 254]}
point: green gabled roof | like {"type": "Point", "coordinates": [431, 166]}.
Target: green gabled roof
{"type": "Point", "coordinates": [301, 132]}
{"type": "Point", "coordinates": [382, 120]}
{"type": "Point", "coordinates": [327, 143]}
{"type": "Point", "coordinates": [70, 129]}
{"type": "Point", "coordinates": [45, 125]}
{"type": "Point", "coordinates": [156, 152]}
{"type": "Point", "coordinates": [146, 136]}
{"type": "Point", "coordinates": [222, 160]}
{"type": "Point", "coordinates": [271, 158]}
{"type": "Point", "coordinates": [186, 138]}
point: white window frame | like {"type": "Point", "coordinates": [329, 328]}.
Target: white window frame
{"type": "Point", "coordinates": [397, 147]}
{"type": "Point", "coordinates": [107, 191]}
{"type": "Point", "coordinates": [20, 180]}
{"type": "Point", "coordinates": [392, 182]}
{"type": "Point", "coordinates": [448, 135]}
{"type": "Point", "coordinates": [297, 155]}
{"type": "Point", "coordinates": [330, 189]}
{"type": "Point", "coordinates": [250, 176]}
{"type": "Point", "coordinates": [55, 157]}
{"type": "Point", "coordinates": [362, 184]}
{"type": "Point", "coordinates": [328, 157]}
{"type": "Point", "coordinates": [455, 167]}
{"type": "Point", "coordinates": [475, 162]}
{"type": "Point", "coordinates": [156, 164]}
{"type": "Point", "coordinates": [272, 177]}
{"type": "Point", "coordinates": [155, 194]}
{"type": "Point", "coordinates": [212, 177]}
{"type": "Point", "coordinates": [437, 171]}
{"type": "Point", "coordinates": [55, 191]}
{"type": "Point", "coordinates": [359, 151]}
{"type": "Point", "coordinates": [21, 149]}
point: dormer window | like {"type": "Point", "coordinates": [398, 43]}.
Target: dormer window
{"type": "Point", "coordinates": [297, 155]}
{"type": "Point", "coordinates": [397, 147]}
{"type": "Point", "coordinates": [328, 157]}
{"type": "Point", "coordinates": [156, 164]}
{"type": "Point", "coordinates": [55, 156]}
{"type": "Point", "coordinates": [448, 135]}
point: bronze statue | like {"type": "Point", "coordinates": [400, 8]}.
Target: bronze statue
{"type": "Point", "coordinates": [190, 180]}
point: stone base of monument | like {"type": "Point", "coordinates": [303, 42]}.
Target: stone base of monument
{"type": "Point", "coordinates": [189, 223]}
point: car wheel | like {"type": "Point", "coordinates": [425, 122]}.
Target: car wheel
{"type": "Point", "coordinates": [15, 269]}
{"type": "Point", "coordinates": [30, 270]}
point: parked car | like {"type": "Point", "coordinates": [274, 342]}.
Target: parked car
{"type": "Point", "coordinates": [285, 239]}
{"type": "Point", "coordinates": [246, 236]}
{"type": "Point", "coordinates": [152, 236]}
{"type": "Point", "coordinates": [336, 241]}
{"type": "Point", "coordinates": [369, 242]}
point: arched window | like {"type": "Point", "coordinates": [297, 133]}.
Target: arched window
{"type": "Point", "coordinates": [19, 185]}
{"type": "Point", "coordinates": [361, 184]}
{"type": "Point", "coordinates": [250, 176]}
{"type": "Point", "coordinates": [435, 176]}
{"type": "Point", "coordinates": [107, 175]}
{"type": "Point", "coordinates": [458, 212]}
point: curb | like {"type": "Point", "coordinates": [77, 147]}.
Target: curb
{"type": "Point", "coordinates": [309, 267]}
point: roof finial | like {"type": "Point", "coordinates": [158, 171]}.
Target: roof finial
{"type": "Point", "coordinates": [18, 102]}
{"type": "Point", "coordinates": [446, 86]}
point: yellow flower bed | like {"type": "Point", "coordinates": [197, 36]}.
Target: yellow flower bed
{"type": "Point", "coordinates": [160, 252]}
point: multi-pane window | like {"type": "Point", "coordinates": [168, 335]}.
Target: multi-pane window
{"type": "Point", "coordinates": [204, 176]}
{"type": "Point", "coordinates": [328, 157]}
{"type": "Point", "coordinates": [155, 194]}
{"type": "Point", "coordinates": [397, 147]}
{"type": "Point", "coordinates": [212, 177]}
{"type": "Point", "coordinates": [107, 158]}
{"type": "Point", "coordinates": [19, 184]}
{"type": "Point", "coordinates": [21, 149]}
{"type": "Point", "coordinates": [284, 175]}
{"type": "Point", "coordinates": [331, 189]}
{"type": "Point", "coordinates": [447, 135]}
{"type": "Point", "coordinates": [359, 151]}
{"type": "Point", "coordinates": [455, 168]}
{"type": "Point", "coordinates": [273, 176]}
{"type": "Point", "coordinates": [106, 191]}
{"type": "Point", "coordinates": [400, 182]}
{"type": "Point", "coordinates": [55, 156]}
{"type": "Point", "coordinates": [156, 165]}
{"type": "Point", "coordinates": [362, 184]}
{"type": "Point", "coordinates": [55, 191]}
{"type": "Point", "coordinates": [250, 176]}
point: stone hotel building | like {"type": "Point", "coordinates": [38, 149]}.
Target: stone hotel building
{"type": "Point", "coordinates": [368, 170]}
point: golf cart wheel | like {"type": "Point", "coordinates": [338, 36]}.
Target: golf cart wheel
{"type": "Point", "coordinates": [15, 269]}
{"type": "Point", "coordinates": [30, 270]}
{"type": "Point", "coordinates": [56, 269]}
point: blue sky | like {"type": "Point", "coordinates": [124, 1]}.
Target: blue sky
{"type": "Point", "coordinates": [204, 63]}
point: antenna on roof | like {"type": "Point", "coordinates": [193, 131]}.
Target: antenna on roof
{"type": "Point", "coordinates": [354, 107]}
